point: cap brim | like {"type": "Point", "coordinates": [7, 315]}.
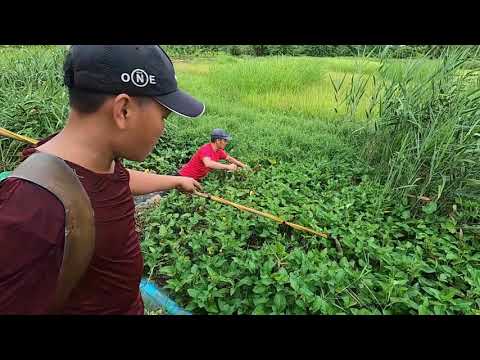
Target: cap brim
{"type": "Point", "coordinates": [228, 138]}
{"type": "Point", "coordinates": [182, 104]}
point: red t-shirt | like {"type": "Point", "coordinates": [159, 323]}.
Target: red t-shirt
{"type": "Point", "coordinates": [32, 229]}
{"type": "Point", "coordinates": [195, 168]}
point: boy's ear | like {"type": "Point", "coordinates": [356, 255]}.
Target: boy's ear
{"type": "Point", "coordinates": [121, 108]}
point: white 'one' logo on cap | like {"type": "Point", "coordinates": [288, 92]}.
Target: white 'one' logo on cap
{"type": "Point", "coordinates": [139, 78]}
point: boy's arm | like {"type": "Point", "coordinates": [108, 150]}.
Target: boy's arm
{"type": "Point", "coordinates": [143, 183]}
{"type": "Point", "coordinates": [235, 161]}
{"type": "Point", "coordinates": [216, 165]}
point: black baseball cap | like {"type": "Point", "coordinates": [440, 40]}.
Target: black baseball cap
{"type": "Point", "coordinates": [136, 70]}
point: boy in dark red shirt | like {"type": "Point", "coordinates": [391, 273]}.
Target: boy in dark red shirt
{"type": "Point", "coordinates": [119, 97]}
{"type": "Point", "coordinates": [206, 158]}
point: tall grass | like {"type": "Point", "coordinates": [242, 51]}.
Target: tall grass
{"type": "Point", "coordinates": [426, 128]}
{"type": "Point", "coordinates": [296, 86]}
{"type": "Point", "coordinates": [33, 101]}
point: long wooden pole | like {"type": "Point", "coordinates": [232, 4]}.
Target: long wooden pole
{"type": "Point", "coordinates": [261, 213]}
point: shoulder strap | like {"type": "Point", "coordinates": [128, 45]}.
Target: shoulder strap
{"type": "Point", "coordinates": [54, 175]}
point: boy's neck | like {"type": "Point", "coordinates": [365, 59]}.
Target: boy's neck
{"type": "Point", "coordinates": [89, 151]}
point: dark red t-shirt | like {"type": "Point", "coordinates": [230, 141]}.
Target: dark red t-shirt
{"type": "Point", "coordinates": [195, 168]}
{"type": "Point", "coordinates": [32, 229]}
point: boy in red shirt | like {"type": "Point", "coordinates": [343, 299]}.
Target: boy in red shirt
{"type": "Point", "coordinates": [206, 158]}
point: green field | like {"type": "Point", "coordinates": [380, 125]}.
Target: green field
{"type": "Point", "coordinates": [381, 154]}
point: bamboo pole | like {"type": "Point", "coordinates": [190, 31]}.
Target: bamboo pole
{"type": "Point", "coordinates": [18, 137]}
{"type": "Point", "coordinates": [261, 213]}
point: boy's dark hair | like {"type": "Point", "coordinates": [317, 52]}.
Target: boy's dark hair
{"type": "Point", "coordinates": [86, 102]}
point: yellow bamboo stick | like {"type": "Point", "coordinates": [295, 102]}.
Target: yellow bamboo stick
{"type": "Point", "coordinates": [261, 213]}
{"type": "Point", "coordinates": [18, 137]}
